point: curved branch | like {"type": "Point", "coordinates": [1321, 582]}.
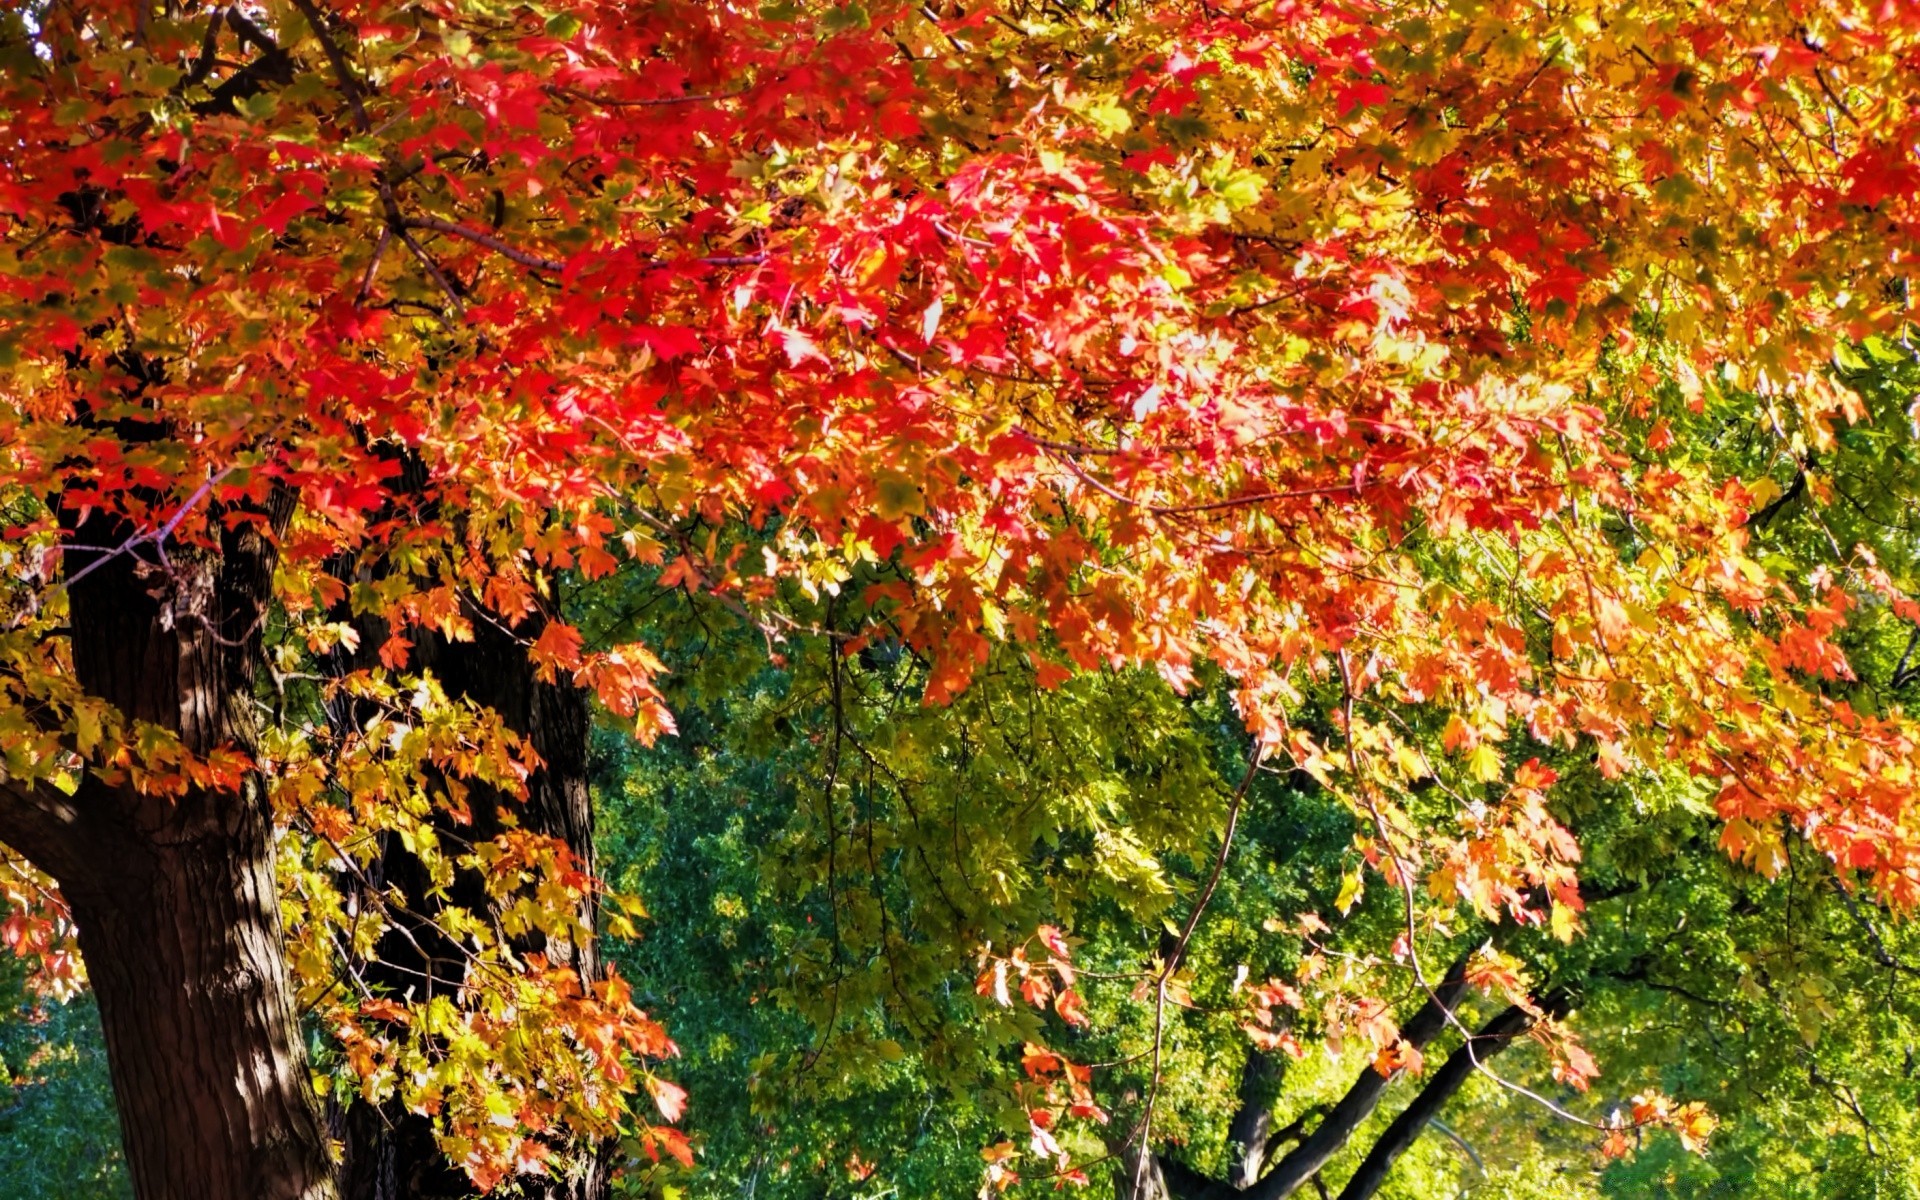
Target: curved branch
{"type": "Point", "coordinates": [504, 249]}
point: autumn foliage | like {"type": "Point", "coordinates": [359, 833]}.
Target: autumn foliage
{"type": "Point", "coordinates": [1327, 345]}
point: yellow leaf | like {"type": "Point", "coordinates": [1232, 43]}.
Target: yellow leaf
{"type": "Point", "coordinates": [1352, 887]}
{"type": "Point", "coordinates": [896, 496]}
{"type": "Point", "coordinates": [1484, 764]}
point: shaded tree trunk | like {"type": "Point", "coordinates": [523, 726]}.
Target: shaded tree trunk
{"type": "Point", "coordinates": [1252, 1126]}
{"type": "Point", "coordinates": [174, 895]}
{"type": "Point", "coordinates": [183, 948]}
{"type": "Point", "coordinates": [389, 1153]}
{"type": "Point", "coordinates": [1253, 1140]}
{"type": "Point", "coordinates": [1143, 1175]}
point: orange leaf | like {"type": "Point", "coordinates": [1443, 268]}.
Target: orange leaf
{"type": "Point", "coordinates": [557, 649]}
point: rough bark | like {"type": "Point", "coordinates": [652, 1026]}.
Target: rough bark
{"type": "Point", "coordinates": [174, 896]}
{"type": "Point", "coordinates": [1496, 1035]}
{"type": "Point", "coordinates": [183, 948]}
{"type": "Point", "coordinates": [1143, 1176]}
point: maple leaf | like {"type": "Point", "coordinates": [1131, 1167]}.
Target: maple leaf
{"type": "Point", "coordinates": [1400, 1056]}
{"type": "Point", "coordinates": [1038, 1061]}
{"type": "Point", "coordinates": [394, 651]}
{"type": "Point", "coordinates": [556, 649]}
{"type": "Point", "coordinates": [669, 1098]}
{"type": "Point", "coordinates": [1055, 940]}
{"type": "Point", "coordinates": [1695, 1125]}
{"type": "Point", "coordinates": [675, 1143]}
{"type": "Point", "coordinates": [1574, 1066]}
{"type": "Point", "coordinates": [800, 347]}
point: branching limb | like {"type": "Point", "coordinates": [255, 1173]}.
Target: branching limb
{"type": "Point", "coordinates": [42, 825]}
{"type": "Point", "coordinates": [1339, 1125]}
{"type": "Point", "coordinates": [349, 83]}
{"type": "Point", "coordinates": [1493, 1037]}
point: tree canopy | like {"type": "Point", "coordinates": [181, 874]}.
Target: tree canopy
{"type": "Point", "coordinates": [1112, 545]}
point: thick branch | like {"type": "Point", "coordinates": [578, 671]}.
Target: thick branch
{"type": "Point", "coordinates": [1252, 1125]}
{"type": "Point", "coordinates": [1492, 1038]}
{"type": "Point", "coordinates": [1182, 1182]}
{"type": "Point", "coordinates": [1765, 516]}
{"type": "Point", "coordinates": [40, 824]}
{"type": "Point", "coordinates": [1361, 1099]}
{"type": "Point", "coordinates": [349, 83]}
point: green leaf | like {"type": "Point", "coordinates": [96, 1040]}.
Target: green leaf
{"type": "Point", "coordinates": [1241, 189]}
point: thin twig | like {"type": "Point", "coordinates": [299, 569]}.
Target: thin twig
{"type": "Point", "coordinates": [433, 269]}
{"type": "Point", "coordinates": [1405, 880]}
{"type": "Point", "coordinates": [523, 257]}
{"type": "Point", "coordinates": [157, 535]}
{"type": "Point", "coordinates": [1144, 1131]}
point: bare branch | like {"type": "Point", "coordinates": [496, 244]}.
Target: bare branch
{"type": "Point", "coordinates": [1144, 1131]}
{"type": "Point", "coordinates": [373, 264]}
{"type": "Point", "coordinates": [157, 536]}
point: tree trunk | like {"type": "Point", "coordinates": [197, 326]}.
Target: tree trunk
{"type": "Point", "coordinates": [391, 1154]}
{"type": "Point", "coordinates": [388, 1153]}
{"type": "Point", "coordinates": [174, 895]}
{"type": "Point", "coordinates": [1140, 1175]}
{"type": "Point", "coordinates": [1252, 1124]}
{"type": "Point", "coordinates": [183, 948]}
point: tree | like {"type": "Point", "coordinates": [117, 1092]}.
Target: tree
{"type": "Point", "coordinates": [58, 1132]}
{"type": "Point", "coordinates": [1671, 934]}
{"type": "Point", "coordinates": [1665, 985]}
{"type": "Point", "coordinates": [386, 1151]}
{"type": "Point", "coordinates": [1289, 341]}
